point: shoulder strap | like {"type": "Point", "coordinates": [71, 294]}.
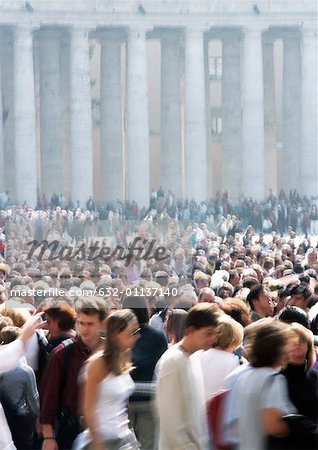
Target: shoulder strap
{"type": "Point", "coordinates": [68, 356]}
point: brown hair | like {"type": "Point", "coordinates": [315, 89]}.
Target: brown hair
{"type": "Point", "coordinates": [267, 344]}
{"type": "Point", "coordinates": [302, 332]}
{"type": "Point", "coordinates": [116, 361]}
{"type": "Point", "coordinates": [61, 311]}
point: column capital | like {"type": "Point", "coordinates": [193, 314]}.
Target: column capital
{"type": "Point", "coordinates": [253, 30]}
{"type": "Point", "coordinates": [75, 30]}
{"type": "Point", "coordinates": [138, 31]}
{"type": "Point", "coordinates": [197, 29]}
{"type": "Point", "coordinates": [23, 29]}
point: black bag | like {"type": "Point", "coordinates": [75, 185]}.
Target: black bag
{"type": "Point", "coordinates": [20, 421]}
{"type": "Point", "coordinates": [303, 435]}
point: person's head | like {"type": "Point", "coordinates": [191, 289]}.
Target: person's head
{"type": "Point", "coordinates": [260, 301]}
{"type": "Point", "coordinates": [138, 305]}
{"type": "Point", "coordinates": [299, 296]}
{"type": "Point", "coordinates": [175, 326]}
{"type": "Point", "coordinates": [268, 344]}
{"type": "Point", "coordinates": [121, 334]}
{"type": "Point", "coordinates": [91, 315]}
{"type": "Point", "coordinates": [206, 295]}
{"type": "Point", "coordinates": [226, 290]}
{"type": "Point", "coordinates": [229, 334]}
{"type": "Point", "coordinates": [9, 334]}
{"type": "Point", "coordinates": [201, 279]}
{"type": "Point", "coordinates": [201, 324]}
{"type": "Point", "coordinates": [302, 346]}
{"type": "Point", "coordinates": [60, 317]}
{"type": "Point", "coordinates": [292, 314]}
{"type": "Point", "coordinates": [237, 309]}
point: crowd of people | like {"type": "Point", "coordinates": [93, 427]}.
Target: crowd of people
{"type": "Point", "coordinates": [209, 344]}
{"type": "Point", "coordinates": [275, 213]}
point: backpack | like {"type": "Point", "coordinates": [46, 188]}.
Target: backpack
{"type": "Point", "coordinates": [19, 418]}
{"type": "Point", "coordinates": [215, 413]}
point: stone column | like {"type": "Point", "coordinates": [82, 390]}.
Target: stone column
{"type": "Point", "coordinates": [137, 118]}
{"type": "Point", "coordinates": [253, 115]}
{"type": "Point", "coordinates": [111, 117]}
{"type": "Point", "coordinates": [24, 117]}
{"type": "Point", "coordinates": [7, 96]}
{"type": "Point", "coordinates": [51, 120]}
{"type": "Point", "coordinates": [2, 170]}
{"type": "Point", "coordinates": [80, 117]}
{"type": "Point", "coordinates": [291, 111]}
{"type": "Point", "coordinates": [170, 113]}
{"type": "Point", "coordinates": [269, 115]}
{"type": "Point", "coordinates": [195, 120]}
{"type": "Point", "coordinates": [309, 151]}
{"type": "Point", "coordinates": [231, 114]}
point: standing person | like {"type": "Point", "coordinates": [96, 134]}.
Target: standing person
{"type": "Point", "coordinates": [10, 355]}
{"type": "Point", "coordinates": [145, 355]}
{"type": "Point", "coordinates": [108, 387]}
{"type": "Point", "coordinates": [59, 396]}
{"type": "Point", "coordinates": [180, 390]}
{"type": "Point", "coordinates": [19, 396]}
{"type": "Point", "coordinates": [260, 398]}
{"type": "Point", "coordinates": [302, 383]}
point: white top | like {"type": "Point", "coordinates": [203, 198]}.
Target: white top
{"type": "Point", "coordinates": [111, 407]}
{"type": "Point", "coordinates": [180, 402]}
{"type": "Point", "coordinates": [256, 390]}
{"type": "Point", "coordinates": [216, 365]}
{"type": "Point", "coordinates": [10, 355]}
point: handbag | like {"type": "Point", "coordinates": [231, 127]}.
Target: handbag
{"type": "Point", "coordinates": [303, 435]}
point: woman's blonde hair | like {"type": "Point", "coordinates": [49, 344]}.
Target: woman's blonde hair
{"type": "Point", "coordinates": [117, 361]}
{"type": "Point", "coordinates": [229, 333]}
{"type": "Point", "coordinates": [306, 334]}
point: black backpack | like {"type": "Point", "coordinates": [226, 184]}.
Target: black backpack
{"type": "Point", "coordinates": [20, 420]}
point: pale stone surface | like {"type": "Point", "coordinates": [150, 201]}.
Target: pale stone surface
{"type": "Point", "coordinates": [231, 114]}
{"type": "Point", "coordinates": [24, 117]}
{"type": "Point", "coordinates": [291, 110]}
{"type": "Point", "coordinates": [195, 126]}
{"type": "Point", "coordinates": [2, 181]}
{"type": "Point", "coordinates": [137, 118]}
{"type": "Point", "coordinates": [269, 116]}
{"type": "Point", "coordinates": [309, 157]}
{"type": "Point", "coordinates": [80, 117]}
{"type": "Point", "coordinates": [170, 113]}
{"type": "Point", "coordinates": [111, 118]}
{"type": "Point", "coordinates": [51, 120]}
{"type": "Point", "coordinates": [253, 115]}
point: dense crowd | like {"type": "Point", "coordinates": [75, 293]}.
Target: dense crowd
{"type": "Point", "coordinates": [275, 213]}
{"type": "Point", "coordinates": [218, 313]}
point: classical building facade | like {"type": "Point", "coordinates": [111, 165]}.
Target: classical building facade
{"type": "Point", "coordinates": [58, 136]}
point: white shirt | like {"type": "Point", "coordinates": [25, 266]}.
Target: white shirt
{"type": "Point", "coordinates": [180, 402]}
{"type": "Point", "coordinates": [256, 390]}
{"type": "Point", "coordinates": [216, 365]}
